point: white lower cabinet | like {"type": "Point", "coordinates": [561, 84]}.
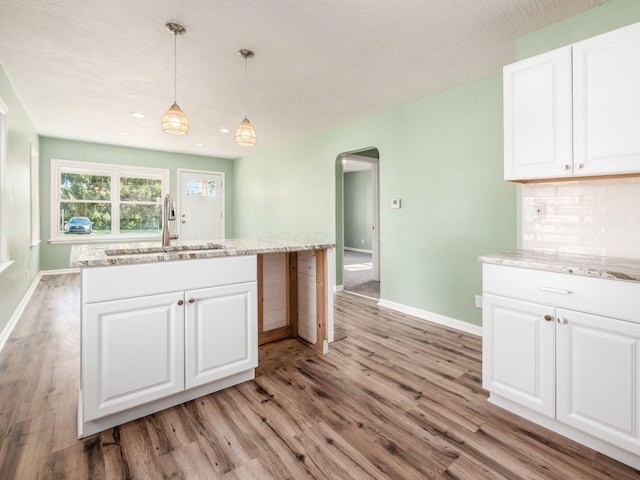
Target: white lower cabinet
{"type": "Point", "coordinates": [519, 352]}
{"type": "Point", "coordinates": [133, 352]}
{"type": "Point", "coordinates": [221, 336]}
{"type": "Point", "coordinates": [598, 369]}
{"type": "Point", "coordinates": [574, 372]}
{"type": "Point", "coordinates": [146, 352]}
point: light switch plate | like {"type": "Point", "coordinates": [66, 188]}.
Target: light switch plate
{"type": "Point", "coordinates": [478, 301]}
{"type": "Point", "coordinates": [395, 203]}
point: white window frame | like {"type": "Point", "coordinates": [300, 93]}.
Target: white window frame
{"type": "Point", "coordinates": [58, 166]}
{"type": "Point", "coordinates": [34, 172]}
{"type": "Point", "coordinates": [5, 261]}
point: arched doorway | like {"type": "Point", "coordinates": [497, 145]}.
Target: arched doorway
{"type": "Point", "coordinates": [357, 222]}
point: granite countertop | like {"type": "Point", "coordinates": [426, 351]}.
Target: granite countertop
{"type": "Point", "coordinates": [105, 254]}
{"type": "Point", "coordinates": [616, 268]}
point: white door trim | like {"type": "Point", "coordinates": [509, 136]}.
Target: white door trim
{"type": "Point", "coordinates": [180, 171]}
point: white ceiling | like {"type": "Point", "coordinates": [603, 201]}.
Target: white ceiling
{"type": "Point", "coordinates": [80, 67]}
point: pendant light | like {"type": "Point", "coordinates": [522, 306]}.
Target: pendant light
{"type": "Point", "coordinates": [245, 134]}
{"type": "Point", "coordinates": [174, 121]}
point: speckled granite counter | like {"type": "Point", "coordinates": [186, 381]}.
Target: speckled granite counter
{"type": "Point", "coordinates": [616, 268]}
{"type": "Point", "coordinates": [97, 255]}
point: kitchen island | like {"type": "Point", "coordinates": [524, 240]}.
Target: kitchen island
{"type": "Point", "coordinates": [164, 325]}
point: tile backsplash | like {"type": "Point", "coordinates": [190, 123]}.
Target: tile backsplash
{"type": "Point", "coordinates": [592, 217]}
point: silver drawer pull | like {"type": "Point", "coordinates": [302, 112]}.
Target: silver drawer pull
{"type": "Point", "coordinates": [554, 290]}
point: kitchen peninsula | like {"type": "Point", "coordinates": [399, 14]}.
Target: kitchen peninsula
{"type": "Point", "coordinates": [164, 325]}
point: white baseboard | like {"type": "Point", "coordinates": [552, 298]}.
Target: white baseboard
{"type": "Point", "coordinates": [13, 321]}
{"type": "Point", "coordinates": [338, 288]}
{"type": "Point", "coordinates": [359, 250]}
{"type": "Point", "coordinates": [61, 271]}
{"type": "Point", "coordinates": [432, 317]}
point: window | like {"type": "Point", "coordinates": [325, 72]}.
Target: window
{"type": "Point", "coordinates": [201, 188]}
{"type": "Point", "coordinates": [4, 196]}
{"type": "Point", "coordinates": [102, 202]}
{"type": "Point", "coordinates": [35, 196]}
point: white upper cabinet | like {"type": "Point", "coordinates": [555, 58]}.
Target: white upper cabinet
{"type": "Point", "coordinates": [537, 117]}
{"type": "Point", "coordinates": [575, 111]}
{"type": "Point", "coordinates": [606, 105]}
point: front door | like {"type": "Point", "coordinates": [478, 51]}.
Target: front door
{"type": "Point", "coordinates": [201, 209]}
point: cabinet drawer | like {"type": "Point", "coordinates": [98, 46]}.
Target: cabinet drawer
{"type": "Point", "coordinates": [613, 298]}
{"type": "Point", "coordinates": [106, 283]}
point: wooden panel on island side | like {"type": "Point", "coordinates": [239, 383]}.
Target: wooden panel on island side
{"type": "Point", "coordinates": [292, 297]}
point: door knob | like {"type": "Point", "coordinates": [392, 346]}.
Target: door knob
{"type": "Point", "coordinates": [562, 320]}
{"type": "Point", "coordinates": [191, 300]}
{"type": "Point", "coordinates": [579, 165]}
{"type": "Point", "coordinates": [184, 221]}
{"type": "Point", "coordinates": [180, 302]}
{"type": "Point", "coordinates": [548, 318]}
{"type": "Point", "coordinates": [565, 167]}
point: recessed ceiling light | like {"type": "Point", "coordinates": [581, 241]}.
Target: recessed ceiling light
{"type": "Point", "coordinates": [199, 144]}
{"type": "Point", "coordinates": [125, 133]}
{"type": "Point", "coordinates": [224, 130]}
{"type": "Point", "coordinates": [137, 114]}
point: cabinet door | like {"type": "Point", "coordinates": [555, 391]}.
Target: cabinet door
{"type": "Point", "coordinates": [537, 117]}
{"type": "Point", "coordinates": [133, 352]}
{"type": "Point", "coordinates": [221, 332]}
{"type": "Point", "coordinates": [518, 352]}
{"type": "Point", "coordinates": [598, 361]}
{"type": "Point", "coordinates": [607, 103]}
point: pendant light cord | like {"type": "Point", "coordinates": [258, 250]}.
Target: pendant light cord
{"type": "Point", "coordinates": [175, 66]}
{"type": "Point", "coordinates": [245, 86]}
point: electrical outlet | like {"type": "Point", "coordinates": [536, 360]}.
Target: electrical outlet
{"type": "Point", "coordinates": [540, 211]}
{"type": "Point", "coordinates": [478, 301]}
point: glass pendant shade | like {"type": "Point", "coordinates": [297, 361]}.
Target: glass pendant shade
{"type": "Point", "coordinates": [174, 121]}
{"type": "Point", "coordinates": [245, 134]}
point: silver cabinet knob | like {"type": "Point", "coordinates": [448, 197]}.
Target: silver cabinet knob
{"type": "Point", "coordinates": [184, 221]}
{"type": "Point", "coordinates": [566, 166]}
{"type": "Point", "coordinates": [579, 165]}
{"type": "Point", "coordinates": [562, 320]}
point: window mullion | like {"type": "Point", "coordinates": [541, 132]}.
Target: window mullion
{"type": "Point", "coordinates": [115, 203]}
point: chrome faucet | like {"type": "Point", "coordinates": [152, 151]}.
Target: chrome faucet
{"type": "Point", "coordinates": [168, 216]}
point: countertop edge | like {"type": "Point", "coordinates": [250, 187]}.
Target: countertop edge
{"type": "Point", "coordinates": [611, 268]}
{"type": "Point", "coordinates": [95, 256]}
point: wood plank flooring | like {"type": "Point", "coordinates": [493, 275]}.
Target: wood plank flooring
{"type": "Point", "coordinates": [397, 398]}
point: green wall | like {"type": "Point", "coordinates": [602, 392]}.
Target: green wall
{"type": "Point", "coordinates": [611, 15]}
{"type": "Point", "coordinates": [441, 155]}
{"type": "Point", "coordinates": [16, 280]}
{"type": "Point", "coordinates": [358, 209]}
{"type": "Point", "coordinates": [56, 256]}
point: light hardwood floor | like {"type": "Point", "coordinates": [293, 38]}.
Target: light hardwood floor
{"type": "Point", "coordinates": [397, 398]}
